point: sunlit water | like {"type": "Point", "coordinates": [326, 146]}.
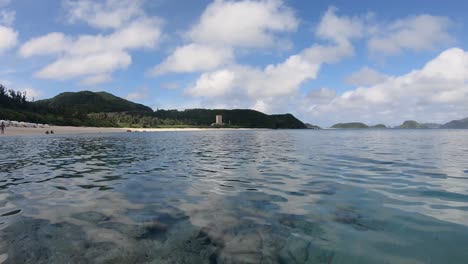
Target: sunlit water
{"type": "Point", "coordinates": [282, 196]}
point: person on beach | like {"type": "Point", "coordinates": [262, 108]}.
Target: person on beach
{"type": "Point", "coordinates": [2, 127]}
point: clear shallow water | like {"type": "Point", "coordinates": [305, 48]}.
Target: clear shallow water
{"type": "Point", "coordinates": [284, 196]}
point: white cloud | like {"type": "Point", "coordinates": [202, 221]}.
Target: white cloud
{"type": "Point", "coordinates": [436, 93]}
{"type": "Point", "coordinates": [97, 63]}
{"type": "Point", "coordinates": [96, 79]}
{"type": "Point", "coordinates": [283, 79]}
{"type": "Point", "coordinates": [8, 38]}
{"type": "Point", "coordinates": [418, 33]}
{"type": "Point", "coordinates": [103, 14]}
{"type": "Point", "coordinates": [213, 84]}
{"type": "Point", "coordinates": [193, 58]}
{"type": "Point", "coordinates": [280, 79]}
{"type": "Point", "coordinates": [339, 29]}
{"type": "Point", "coordinates": [139, 94]}
{"type": "Point", "coordinates": [51, 43]}
{"type": "Point", "coordinates": [93, 57]}
{"type": "Point", "coordinates": [365, 77]}
{"type": "Point", "coordinates": [243, 23]}
{"type": "Point", "coordinates": [143, 33]}
{"type": "Point", "coordinates": [7, 17]}
{"type": "Point", "coordinates": [224, 26]}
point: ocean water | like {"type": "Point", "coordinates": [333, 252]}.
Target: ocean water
{"type": "Point", "coordinates": [272, 196]}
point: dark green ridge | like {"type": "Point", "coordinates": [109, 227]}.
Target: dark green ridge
{"type": "Point", "coordinates": [103, 109]}
{"type": "Point", "coordinates": [352, 125]}
{"type": "Point", "coordinates": [457, 124]}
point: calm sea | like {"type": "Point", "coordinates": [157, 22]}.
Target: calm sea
{"type": "Point", "coordinates": [273, 196]}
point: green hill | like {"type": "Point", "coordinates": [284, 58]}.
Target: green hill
{"type": "Point", "coordinates": [352, 125]}
{"type": "Point", "coordinates": [106, 110]}
{"type": "Point", "coordinates": [457, 124]}
{"type": "Point", "coordinates": [411, 124]}
{"type": "Point", "coordinates": [90, 102]}
{"type": "Point", "coordinates": [235, 117]}
{"type": "Point", "coordinates": [379, 126]}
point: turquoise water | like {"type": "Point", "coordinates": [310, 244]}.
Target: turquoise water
{"type": "Point", "coordinates": [281, 196]}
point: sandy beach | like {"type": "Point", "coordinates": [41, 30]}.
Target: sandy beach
{"type": "Point", "coordinates": [60, 130]}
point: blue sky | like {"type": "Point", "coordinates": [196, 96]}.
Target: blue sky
{"type": "Point", "coordinates": [323, 61]}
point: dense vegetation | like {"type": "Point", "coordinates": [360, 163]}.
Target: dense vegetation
{"type": "Point", "coordinates": [350, 125]}
{"type": "Point", "coordinates": [460, 124]}
{"type": "Point", "coordinates": [11, 98]}
{"type": "Point", "coordinates": [411, 124]}
{"type": "Point", "coordinates": [106, 110]}
{"type": "Point", "coordinates": [379, 126]}
{"type": "Point", "coordinates": [90, 102]}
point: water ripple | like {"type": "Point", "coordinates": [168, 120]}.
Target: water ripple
{"type": "Point", "coordinates": [236, 197]}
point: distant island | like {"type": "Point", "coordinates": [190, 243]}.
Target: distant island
{"type": "Point", "coordinates": [357, 125]}
{"type": "Point", "coordinates": [460, 124]}
{"type": "Point", "coordinates": [408, 124]}
{"type": "Point", "coordinates": [352, 125]}
{"type": "Point", "coordinates": [102, 109]}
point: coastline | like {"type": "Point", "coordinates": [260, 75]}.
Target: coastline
{"type": "Point", "coordinates": [71, 130]}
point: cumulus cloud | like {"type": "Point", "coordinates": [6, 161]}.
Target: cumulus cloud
{"type": "Point", "coordinates": [143, 33]}
{"type": "Point", "coordinates": [95, 57]}
{"type": "Point", "coordinates": [8, 38]}
{"type": "Point", "coordinates": [51, 43]}
{"type": "Point", "coordinates": [226, 23]}
{"type": "Point", "coordinates": [103, 14]}
{"type": "Point", "coordinates": [273, 80]}
{"type": "Point", "coordinates": [339, 29]}
{"type": "Point", "coordinates": [224, 26]}
{"type": "Point", "coordinates": [213, 84]}
{"type": "Point", "coordinates": [194, 57]}
{"type": "Point", "coordinates": [437, 92]}
{"type": "Point", "coordinates": [417, 33]}
{"type": "Point", "coordinates": [377, 98]}
{"type": "Point", "coordinates": [72, 66]}
{"type": "Point", "coordinates": [365, 77]}
{"type": "Point", "coordinates": [262, 86]}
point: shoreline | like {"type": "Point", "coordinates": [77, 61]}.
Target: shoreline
{"type": "Point", "coordinates": [71, 130]}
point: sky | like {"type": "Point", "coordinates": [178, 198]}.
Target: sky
{"type": "Point", "coordinates": [323, 61]}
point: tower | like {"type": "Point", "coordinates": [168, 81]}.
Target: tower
{"type": "Point", "coordinates": [219, 119]}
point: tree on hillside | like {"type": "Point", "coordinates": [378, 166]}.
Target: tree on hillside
{"type": "Point", "coordinates": [12, 98]}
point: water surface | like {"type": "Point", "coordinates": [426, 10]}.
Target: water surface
{"type": "Point", "coordinates": [273, 196]}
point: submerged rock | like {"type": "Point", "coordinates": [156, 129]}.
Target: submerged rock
{"type": "Point", "coordinates": [39, 241]}
{"type": "Point", "coordinates": [348, 216]}
{"type": "Point", "coordinates": [298, 250]}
